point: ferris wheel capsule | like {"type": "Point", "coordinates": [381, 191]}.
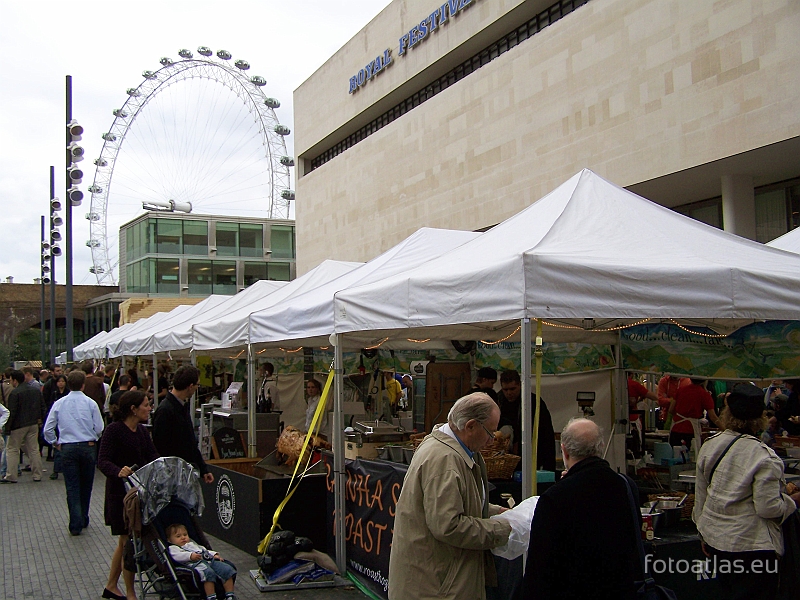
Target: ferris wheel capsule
{"type": "Point", "coordinates": [204, 50]}
{"type": "Point", "coordinates": [184, 53]}
{"type": "Point", "coordinates": [95, 189]}
{"type": "Point", "coordinates": [287, 194]}
{"type": "Point", "coordinates": [148, 75]}
{"type": "Point", "coordinates": [282, 130]}
{"type": "Point", "coordinates": [272, 102]}
{"type": "Point", "coordinates": [287, 161]}
{"type": "Point", "coordinates": [166, 61]}
{"type": "Point", "coordinates": [224, 54]}
{"type": "Point", "coordinates": [242, 64]}
{"type": "Point", "coordinates": [118, 112]}
{"type": "Point", "coordinates": [109, 137]}
{"type": "Point", "coordinates": [133, 92]}
{"type": "Point", "coordinates": [101, 162]}
{"type": "Point", "coordinates": [258, 80]}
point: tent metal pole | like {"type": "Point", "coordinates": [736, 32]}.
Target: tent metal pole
{"type": "Point", "coordinates": [339, 472]}
{"type": "Point", "coordinates": [154, 380]}
{"type": "Point", "coordinates": [193, 399]}
{"type": "Point", "coordinates": [524, 398]}
{"type": "Point", "coordinates": [617, 458]}
{"type": "Point", "coordinates": [537, 413]}
{"type": "Point", "coordinates": [252, 451]}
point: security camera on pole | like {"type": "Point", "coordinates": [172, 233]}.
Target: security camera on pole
{"type": "Point", "coordinates": [74, 197]}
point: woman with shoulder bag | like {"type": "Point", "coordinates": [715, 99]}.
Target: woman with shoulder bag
{"type": "Point", "coordinates": [740, 500]}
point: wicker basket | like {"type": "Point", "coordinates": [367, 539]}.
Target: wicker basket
{"type": "Point", "coordinates": [686, 509]}
{"type": "Point", "coordinates": [501, 466]}
{"type": "Point", "coordinates": [499, 444]}
{"type": "Point", "coordinates": [416, 438]}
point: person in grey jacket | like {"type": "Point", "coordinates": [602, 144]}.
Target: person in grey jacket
{"type": "Point", "coordinates": [740, 500]}
{"type": "Point", "coordinates": [442, 531]}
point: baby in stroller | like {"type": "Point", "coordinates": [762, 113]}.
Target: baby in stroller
{"type": "Point", "coordinates": [208, 564]}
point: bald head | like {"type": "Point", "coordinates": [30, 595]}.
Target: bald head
{"type": "Point", "coordinates": [580, 439]}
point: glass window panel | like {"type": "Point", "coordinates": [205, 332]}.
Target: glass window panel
{"type": "Point", "coordinates": [282, 242]}
{"type": "Point", "coordinates": [195, 237]}
{"type": "Point", "coordinates": [199, 276]}
{"type": "Point", "coordinates": [771, 218]}
{"type": "Point", "coordinates": [279, 271]}
{"type": "Point", "coordinates": [129, 283]}
{"type": "Point", "coordinates": [168, 236]}
{"type": "Point", "coordinates": [130, 244]}
{"type": "Point", "coordinates": [224, 277]}
{"type": "Point", "coordinates": [254, 271]}
{"type": "Point", "coordinates": [167, 276]}
{"type": "Point", "coordinates": [227, 239]}
{"type": "Point", "coordinates": [707, 214]}
{"type": "Point", "coordinates": [251, 238]}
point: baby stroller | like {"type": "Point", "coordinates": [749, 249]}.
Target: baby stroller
{"type": "Point", "coordinates": [167, 492]}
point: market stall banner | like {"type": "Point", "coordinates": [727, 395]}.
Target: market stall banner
{"type": "Point", "coordinates": [557, 359]}
{"type": "Point", "coordinates": [758, 351]}
{"type": "Point", "coordinates": [371, 493]}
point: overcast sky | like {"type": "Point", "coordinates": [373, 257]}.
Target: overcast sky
{"type": "Point", "coordinates": [105, 45]}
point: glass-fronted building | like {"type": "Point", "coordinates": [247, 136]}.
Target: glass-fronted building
{"type": "Point", "coordinates": [198, 255]}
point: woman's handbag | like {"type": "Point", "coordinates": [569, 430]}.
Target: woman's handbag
{"type": "Point", "coordinates": [647, 589]}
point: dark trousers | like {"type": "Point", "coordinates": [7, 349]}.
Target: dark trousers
{"type": "Point", "coordinates": [77, 463]}
{"type": "Point", "coordinates": [747, 575]}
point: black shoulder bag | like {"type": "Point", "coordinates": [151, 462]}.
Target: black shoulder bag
{"type": "Point", "coordinates": [647, 588]}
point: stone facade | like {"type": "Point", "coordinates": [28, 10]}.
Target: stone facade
{"type": "Point", "coordinates": [643, 92]}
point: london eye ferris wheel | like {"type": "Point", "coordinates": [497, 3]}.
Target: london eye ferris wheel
{"type": "Point", "coordinates": [196, 135]}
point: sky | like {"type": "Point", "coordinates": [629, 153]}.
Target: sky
{"type": "Point", "coordinates": [105, 45]}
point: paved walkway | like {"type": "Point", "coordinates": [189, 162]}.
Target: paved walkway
{"type": "Point", "coordinates": [41, 561]}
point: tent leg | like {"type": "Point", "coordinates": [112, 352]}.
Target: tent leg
{"type": "Point", "coordinates": [154, 378]}
{"type": "Point", "coordinates": [339, 473]}
{"type": "Point", "coordinates": [252, 450]}
{"type": "Point", "coordinates": [524, 397]}
{"type": "Point", "coordinates": [616, 453]}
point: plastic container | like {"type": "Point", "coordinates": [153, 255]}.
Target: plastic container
{"type": "Point", "coordinates": [396, 454]}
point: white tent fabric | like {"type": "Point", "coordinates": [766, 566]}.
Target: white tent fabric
{"type": "Point", "coordinates": [84, 349]}
{"type": "Point", "coordinates": [143, 341]}
{"type": "Point", "coordinates": [229, 328]}
{"type": "Point", "coordinates": [307, 319]}
{"type": "Point", "coordinates": [587, 250]}
{"type": "Point", "coordinates": [179, 335]}
{"type": "Point", "coordinates": [788, 241]}
{"type": "Point", "coordinates": [117, 337]}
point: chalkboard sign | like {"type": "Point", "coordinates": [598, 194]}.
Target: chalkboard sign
{"type": "Point", "coordinates": [226, 442]}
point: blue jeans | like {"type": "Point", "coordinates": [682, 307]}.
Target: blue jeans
{"type": "Point", "coordinates": [77, 463]}
{"type": "Point", "coordinates": [214, 570]}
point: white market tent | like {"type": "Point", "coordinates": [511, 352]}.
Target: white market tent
{"type": "Point", "coordinates": [788, 241]}
{"type": "Point", "coordinates": [142, 341]}
{"type": "Point", "coordinates": [228, 327]}
{"type": "Point", "coordinates": [86, 349]}
{"type": "Point", "coordinates": [308, 319]}
{"type": "Point", "coordinates": [586, 258]}
{"type": "Point", "coordinates": [115, 342]}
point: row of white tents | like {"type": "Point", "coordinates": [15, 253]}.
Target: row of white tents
{"type": "Point", "coordinates": [582, 262]}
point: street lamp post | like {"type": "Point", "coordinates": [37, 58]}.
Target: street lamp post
{"type": "Point", "coordinates": [55, 221]}
{"type": "Point", "coordinates": [42, 282]}
{"type": "Point", "coordinates": [74, 196]}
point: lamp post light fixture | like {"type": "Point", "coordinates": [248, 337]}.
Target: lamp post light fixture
{"type": "Point", "coordinates": [55, 221]}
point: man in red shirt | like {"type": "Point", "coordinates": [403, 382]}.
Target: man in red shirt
{"type": "Point", "coordinates": [636, 393]}
{"type": "Point", "coordinates": [687, 409]}
{"type": "Point", "coordinates": [668, 385]}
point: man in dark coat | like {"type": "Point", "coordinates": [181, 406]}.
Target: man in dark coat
{"type": "Point", "coordinates": [173, 427]}
{"type": "Point", "coordinates": [511, 420]}
{"type": "Point", "coordinates": [583, 537]}
{"type": "Point", "coordinates": [26, 405]}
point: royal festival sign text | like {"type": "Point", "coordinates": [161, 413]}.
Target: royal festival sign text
{"type": "Point", "coordinates": [416, 35]}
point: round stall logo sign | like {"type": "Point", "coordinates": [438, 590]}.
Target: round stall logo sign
{"type": "Point", "coordinates": [226, 501]}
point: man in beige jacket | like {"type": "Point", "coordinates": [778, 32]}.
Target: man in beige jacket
{"type": "Point", "coordinates": [442, 530]}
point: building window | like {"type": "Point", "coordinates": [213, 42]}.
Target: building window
{"type": "Point", "coordinates": [199, 277]}
{"type": "Point", "coordinates": [705, 211]}
{"type": "Point", "coordinates": [195, 237]}
{"type": "Point", "coordinates": [282, 242]}
{"type": "Point", "coordinates": [168, 236]}
{"type": "Point", "coordinates": [166, 276]}
{"type": "Point", "coordinates": [251, 240]}
{"type": "Point", "coordinates": [254, 271]}
{"type": "Point", "coordinates": [224, 277]}
{"type": "Point", "coordinates": [771, 215]}
{"type": "Point", "coordinates": [227, 239]}
{"type": "Point", "coordinates": [278, 271]}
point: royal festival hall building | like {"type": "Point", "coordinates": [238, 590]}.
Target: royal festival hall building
{"type": "Point", "coordinates": [460, 114]}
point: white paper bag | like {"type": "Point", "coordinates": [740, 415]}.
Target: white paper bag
{"type": "Point", "coordinates": [519, 518]}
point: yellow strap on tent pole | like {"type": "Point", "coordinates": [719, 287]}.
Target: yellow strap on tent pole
{"type": "Point", "coordinates": [316, 423]}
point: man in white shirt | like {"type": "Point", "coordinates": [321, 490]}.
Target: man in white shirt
{"type": "Point", "coordinates": [79, 424]}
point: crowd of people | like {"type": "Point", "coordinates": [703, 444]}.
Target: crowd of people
{"type": "Point", "coordinates": [92, 420]}
{"type": "Point", "coordinates": [585, 538]}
